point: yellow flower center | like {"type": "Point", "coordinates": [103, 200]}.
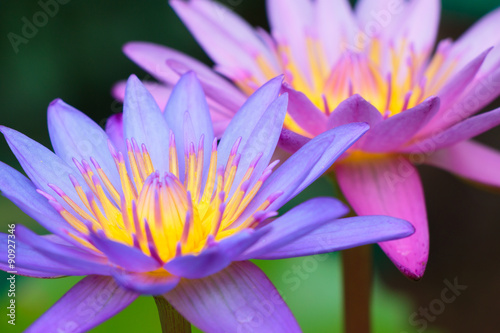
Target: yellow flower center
{"type": "Point", "coordinates": [157, 213]}
{"type": "Point", "coordinates": [392, 78]}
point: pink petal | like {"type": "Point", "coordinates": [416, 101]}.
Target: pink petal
{"type": "Point", "coordinates": [481, 36]}
{"type": "Point", "coordinates": [153, 59]}
{"type": "Point", "coordinates": [397, 130]}
{"type": "Point", "coordinates": [451, 92]}
{"type": "Point", "coordinates": [420, 36]}
{"type": "Point", "coordinates": [479, 93]}
{"type": "Point", "coordinates": [390, 186]}
{"type": "Point", "coordinates": [160, 92]}
{"type": "Point", "coordinates": [114, 130]}
{"type": "Point", "coordinates": [290, 22]}
{"type": "Point", "coordinates": [460, 80]}
{"type": "Point", "coordinates": [304, 112]}
{"type": "Point", "coordinates": [355, 109]}
{"type": "Point", "coordinates": [464, 130]}
{"type": "Point", "coordinates": [215, 39]}
{"type": "Point", "coordinates": [236, 27]}
{"type": "Point", "coordinates": [336, 27]}
{"type": "Point", "coordinates": [470, 160]}
{"type": "Point", "coordinates": [368, 10]}
{"type": "Point", "coordinates": [377, 18]}
{"type": "Point", "coordinates": [291, 141]}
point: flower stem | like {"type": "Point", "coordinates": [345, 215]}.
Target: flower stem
{"type": "Point", "coordinates": [357, 274]}
{"type": "Point", "coordinates": [171, 320]}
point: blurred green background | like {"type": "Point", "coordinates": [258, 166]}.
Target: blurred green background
{"type": "Point", "coordinates": [77, 56]}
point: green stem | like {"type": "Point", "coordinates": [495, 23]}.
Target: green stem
{"type": "Point", "coordinates": [357, 274]}
{"type": "Point", "coordinates": [171, 320]}
{"type": "Point", "coordinates": [357, 277]}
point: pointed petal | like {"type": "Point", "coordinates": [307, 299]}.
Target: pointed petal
{"type": "Point", "coordinates": [421, 37]}
{"type": "Point", "coordinates": [30, 262]}
{"type": "Point", "coordinates": [461, 79]}
{"type": "Point", "coordinates": [22, 192]}
{"type": "Point", "coordinates": [167, 65]}
{"type": "Point", "coordinates": [144, 122]}
{"type": "Point", "coordinates": [223, 98]}
{"type": "Point", "coordinates": [235, 26]}
{"type": "Point", "coordinates": [69, 256]}
{"type": "Point", "coordinates": [304, 112]}
{"type": "Point", "coordinates": [246, 119]}
{"type": "Point", "coordinates": [214, 258]}
{"type": "Point", "coordinates": [295, 224]}
{"type": "Point", "coordinates": [481, 36]}
{"type": "Point", "coordinates": [129, 258]}
{"type": "Point", "coordinates": [344, 234]}
{"type": "Point", "coordinates": [355, 109]}
{"type": "Point", "coordinates": [74, 135]}
{"type": "Point", "coordinates": [451, 111]}
{"type": "Point", "coordinates": [291, 23]}
{"type": "Point", "coordinates": [145, 283]}
{"type": "Point", "coordinates": [90, 302]}
{"type": "Point", "coordinates": [155, 60]}
{"type": "Point", "coordinates": [222, 46]}
{"type": "Point", "coordinates": [462, 131]}
{"type": "Point", "coordinates": [159, 91]}
{"type": "Point", "coordinates": [390, 186]}
{"type": "Point", "coordinates": [365, 9]}
{"type": "Point", "coordinates": [397, 130]}
{"type": "Point", "coordinates": [379, 17]}
{"type": "Point", "coordinates": [41, 165]}
{"type": "Point", "coordinates": [258, 125]}
{"type": "Point", "coordinates": [483, 90]}
{"type": "Point", "coordinates": [236, 299]}
{"type": "Point", "coordinates": [336, 26]}
{"type": "Point", "coordinates": [188, 97]}
{"type": "Point", "coordinates": [263, 140]}
{"type": "Point", "coordinates": [470, 160]}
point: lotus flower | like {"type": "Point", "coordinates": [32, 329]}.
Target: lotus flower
{"type": "Point", "coordinates": [157, 207]}
{"type": "Point", "coordinates": [374, 64]}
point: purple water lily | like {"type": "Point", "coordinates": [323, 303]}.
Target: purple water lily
{"type": "Point", "coordinates": [374, 64]}
{"type": "Point", "coordinates": [156, 206]}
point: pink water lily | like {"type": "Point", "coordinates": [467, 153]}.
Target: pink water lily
{"type": "Point", "coordinates": [374, 64]}
{"type": "Point", "coordinates": [157, 206]}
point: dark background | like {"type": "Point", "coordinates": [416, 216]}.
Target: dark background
{"type": "Point", "coordinates": [77, 56]}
